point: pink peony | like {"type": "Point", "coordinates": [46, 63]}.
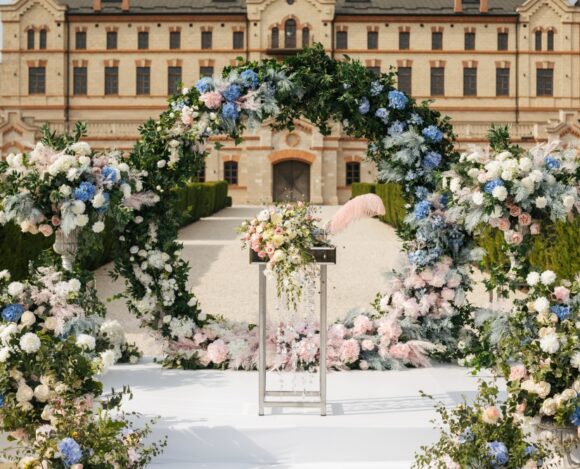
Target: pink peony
{"type": "Point", "coordinates": [217, 352]}
{"type": "Point", "coordinates": [211, 99]}
{"type": "Point", "coordinates": [362, 325]}
{"type": "Point", "coordinates": [503, 224]}
{"type": "Point", "coordinates": [561, 293]}
{"type": "Point", "coordinates": [454, 281]}
{"type": "Point", "coordinates": [411, 308]}
{"type": "Point", "coordinates": [350, 351]}
{"type": "Point", "coordinates": [187, 116]}
{"type": "Point", "coordinates": [46, 230]}
{"type": "Point", "coordinates": [427, 275]}
{"type": "Point", "coordinates": [396, 284]}
{"type": "Point", "coordinates": [199, 338]}
{"type": "Point", "coordinates": [400, 351]}
{"type": "Point", "coordinates": [307, 350]}
{"type": "Point", "coordinates": [367, 345]}
{"type": "Point", "coordinates": [337, 331]}
{"type": "Point", "coordinates": [363, 365]}
{"type": "Point", "coordinates": [438, 280]}
{"type": "Point", "coordinates": [525, 219]}
{"type": "Point", "coordinates": [414, 281]}
{"type": "Point", "coordinates": [517, 238]}
{"type": "Point", "coordinates": [491, 415]}
{"type": "Point", "coordinates": [535, 229]}
{"type": "Point", "coordinates": [448, 294]}
{"type": "Point", "coordinates": [517, 372]}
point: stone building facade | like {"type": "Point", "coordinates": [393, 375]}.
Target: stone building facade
{"type": "Point", "coordinates": [112, 63]}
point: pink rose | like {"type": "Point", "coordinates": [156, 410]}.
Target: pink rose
{"type": "Point", "coordinates": [515, 211]}
{"type": "Point", "coordinates": [517, 238]}
{"type": "Point", "coordinates": [535, 229]}
{"type": "Point", "coordinates": [261, 254]}
{"type": "Point", "coordinates": [211, 99]}
{"type": "Point", "coordinates": [561, 293]}
{"type": "Point", "coordinates": [400, 351]}
{"type": "Point", "coordinates": [362, 325]}
{"type": "Point", "coordinates": [349, 351]}
{"type": "Point", "coordinates": [337, 331]}
{"type": "Point", "coordinates": [187, 116]}
{"type": "Point", "coordinates": [217, 352]}
{"type": "Point", "coordinates": [517, 372]}
{"type": "Point", "coordinates": [55, 221]}
{"type": "Point", "coordinates": [270, 249]}
{"type": "Point", "coordinates": [491, 415]}
{"type": "Point", "coordinates": [199, 338]}
{"type": "Point", "coordinates": [525, 219]}
{"type": "Point", "coordinates": [363, 365]}
{"type": "Point", "coordinates": [503, 224]}
{"type": "Point", "coordinates": [46, 230]}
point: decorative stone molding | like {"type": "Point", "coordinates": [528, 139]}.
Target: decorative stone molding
{"type": "Point", "coordinates": [286, 155]}
{"type": "Point", "coordinates": [545, 65]}
{"type": "Point", "coordinates": [503, 64]}
{"type": "Point", "coordinates": [404, 63]}
{"type": "Point", "coordinates": [470, 63]}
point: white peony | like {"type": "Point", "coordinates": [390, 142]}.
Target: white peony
{"type": "Point", "coordinates": [528, 183]}
{"type": "Point", "coordinates": [24, 393]}
{"type": "Point", "coordinates": [507, 175]}
{"type": "Point", "coordinates": [478, 198]}
{"type": "Point", "coordinates": [279, 256]}
{"type": "Point", "coordinates": [42, 393]}
{"type": "Point", "coordinates": [568, 202]}
{"type": "Point", "coordinates": [86, 341]}
{"type": "Point", "coordinates": [78, 207]}
{"type": "Point", "coordinates": [65, 190]}
{"type": "Point", "coordinates": [81, 148]}
{"type": "Point", "coordinates": [541, 202]}
{"type": "Point", "coordinates": [50, 323]}
{"type": "Point", "coordinates": [4, 354]}
{"type": "Point", "coordinates": [455, 185]}
{"type": "Point", "coordinates": [526, 164]}
{"type": "Point", "coordinates": [74, 284]}
{"type": "Point", "coordinates": [264, 215]}
{"type": "Point", "coordinates": [7, 332]}
{"type": "Point", "coordinates": [542, 389]}
{"type": "Point", "coordinates": [107, 360]}
{"type": "Point", "coordinates": [81, 220]}
{"type": "Point", "coordinates": [542, 304]}
{"type": "Point", "coordinates": [550, 343]}
{"type": "Point", "coordinates": [99, 200]}
{"type": "Point", "coordinates": [549, 407]}
{"type": "Point", "coordinates": [98, 227]}
{"type": "Point", "coordinates": [28, 318]}
{"type": "Point", "coordinates": [15, 288]}
{"type": "Point", "coordinates": [533, 278]}
{"type": "Point", "coordinates": [30, 343]}
{"type": "Point", "coordinates": [548, 277]}
{"type": "Point", "coordinates": [84, 160]}
{"type": "Point", "coordinates": [537, 175]}
{"type": "Point", "coordinates": [500, 193]}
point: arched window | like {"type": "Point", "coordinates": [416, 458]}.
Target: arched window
{"type": "Point", "coordinates": [30, 39]}
{"type": "Point", "coordinates": [42, 39]}
{"type": "Point", "coordinates": [352, 172]}
{"type": "Point", "coordinates": [305, 37]}
{"type": "Point", "coordinates": [550, 44]}
{"type": "Point", "coordinates": [231, 172]}
{"type": "Point", "coordinates": [290, 34]}
{"type": "Point", "coordinates": [275, 38]}
{"type": "Point", "coordinates": [538, 40]}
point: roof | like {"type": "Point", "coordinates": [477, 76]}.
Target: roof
{"type": "Point", "coordinates": [143, 7]}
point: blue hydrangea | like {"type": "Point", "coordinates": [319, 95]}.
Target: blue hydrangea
{"type": "Point", "coordinates": [561, 311]}
{"type": "Point", "coordinates": [422, 209]}
{"type": "Point", "coordinates": [70, 451]}
{"type": "Point", "coordinates": [230, 111]}
{"type": "Point", "coordinates": [397, 128]}
{"type": "Point", "coordinates": [204, 85]}
{"type": "Point", "coordinates": [250, 78]}
{"type": "Point", "coordinates": [491, 185]}
{"type": "Point", "coordinates": [417, 257]}
{"type": "Point", "coordinates": [376, 88]}
{"type": "Point", "coordinates": [411, 175]}
{"type": "Point", "coordinates": [85, 192]}
{"type": "Point", "coordinates": [575, 419]}
{"type": "Point", "coordinates": [397, 99]}
{"type": "Point", "coordinates": [466, 435]}
{"type": "Point", "coordinates": [415, 119]}
{"type": "Point", "coordinates": [110, 174]}
{"type": "Point", "coordinates": [498, 453]}
{"type": "Point", "coordinates": [13, 312]}
{"type": "Point", "coordinates": [382, 114]}
{"type": "Point", "coordinates": [551, 163]}
{"type": "Point", "coordinates": [432, 160]}
{"type": "Point", "coordinates": [232, 93]}
{"type": "Point", "coordinates": [364, 106]}
{"type": "Point", "coordinates": [178, 105]}
{"type": "Point", "coordinates": [421, 192]}
{"type": "Point", "coordinates": [530, 450]}
{"type": "Point", "coordinates": [433, 133]}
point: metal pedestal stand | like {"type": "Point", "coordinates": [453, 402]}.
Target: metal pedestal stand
{"type": "Point", "coordinates": [323, 257]}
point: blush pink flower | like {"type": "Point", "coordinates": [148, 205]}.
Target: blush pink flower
{"type": "Point", "coordinates": [187, 116]}
{"type": "Point", "coordinates": [400, 351]}
{"type": "Point", "coordinates": [337, 331]}
{"type": "Point", "coordinates": [448, 294]}
{"type": "Point", "coordinates": [211, 99]}
{"type": "Point", "coordinates": [217, 352]}
{"type": "Point", "coordinates": [414, 281]}
{"type": "Point", "coordinates": [367, 345]}
{"type": "Point", "coordinates": [363, 365]}
{"type": "Point", "coordinates": [55, 221]}
{"type": "Point", "coordinates": [389, 329]}
{"type": "Point", "coordinates": [349, 351]}
{"type": "Point", "coordinates": [503, 224]}
{"type": "Point", "coordinates": [199, 338]}
{"type": "Point", "coordinates": [515, 211]}
{"type": "Point", "coordinates": [427, 275]}
{"type": "Point", "coordinates": [411, 307]}
{"type": "Point", "coordinates": [491, 415]}
{"type": "Point", "coordinates": [362, 325]}
{"type": "Point", "coordinates": [517, 372]}
{"type": "Point", "coordinates": [561, 293]}
{"type": "Point", "coordinates": [535, 229]}
{"type": "Point", "coordinates": [46, 230]}
{"type": "Point", "coordinates": [454, 281]}
{"type": "Point", "coordinates": [517, 238]}
{"type": "Point", "coordinates": [525, 219]}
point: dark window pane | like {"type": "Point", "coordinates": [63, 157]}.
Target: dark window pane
{"type": "Point", "coordinates": [200, 177]}
{"type": "Point", "coordinates": [206, 71]}
{"type": "Point", "coordinates": [437, 41]}
{"type": "Point", "coordinates": [469, 41]}
{"type": "Point", "coordinates": [37, 80]}
{"type": "Point", "coordinates": [538, 40]}
{"type": "Point", "coordinates": [238, 39]}
{"type": "Point", "coordinates": [470, 81]}
{"type": "Point", "coordinates": [404, 40]}
{"type": "Point", "coordinates": [111, 40]}
{"type": "Point", "coordinates": [81, 40]}
{"type": "Point", "coordinates": [375, 70]}
{"type": "Point", "coordinates": [502, 82]}
{"type": "Point", "coordinates": [502, 41]}
{"type": "Point", "coordinates": [30, 39]}
{"type": "Point", "coordinates": [275, 38]}
{"type": "Point", "coordinates": [42, 39]}
{"type": "Point", "coordinates": [437, 81]}
{"type": "Point", "coordinates": [175, 40]}
{"type": "Point", "coordinates": [80, 80]}
{"type": "Point", "coordinates": [143, 80]}
{"type": "Point", "coordinates": [352, 172]}
{"type": "Point", "coordinates": [545, 82]}
{"type": "Point", "coordinates": [231, 172]}
{"type": "Point", "coordinates": [290, 34]}
{"type": "Point", "coordinates": [550, 44]}
{"type": "Point", "coordinates": [372, 40]}
{"type": "Point", "coordinates": [206, 40]}
{"type": "Point", "coordinates": [173, 79]}
{"type": "Point", "coordinates": [111, 80]}
{"type": "Point", "coordinates": [342, 40]}
{"type": "Point", "coordinates": [405, 80]}
{"type": "Point", "coordinates": [143, 40]}
{"type": "Point", "coordinates": [305, 37]}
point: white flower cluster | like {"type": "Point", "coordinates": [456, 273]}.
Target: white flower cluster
{"type": "Point", "coordinates": [180, 327]}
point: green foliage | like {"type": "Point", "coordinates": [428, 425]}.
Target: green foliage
{"type": "Point", "coordinates": [361, 188]}
{"type": "Point", "coordinates": [392, 198]}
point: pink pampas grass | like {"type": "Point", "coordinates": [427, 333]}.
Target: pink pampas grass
{"type": "Point", "coordinates": [363, 206]}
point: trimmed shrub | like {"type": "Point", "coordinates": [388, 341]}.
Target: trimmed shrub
{"type": "Point", "coordinates": [361, 188]}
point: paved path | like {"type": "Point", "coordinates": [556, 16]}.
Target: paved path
{"type": "Point", "coordinates": [226, 284]}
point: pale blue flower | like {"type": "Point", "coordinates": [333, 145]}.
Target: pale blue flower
{"type": "Point", "coordinates": [230, 111]}
{"type": "Point", "coordinates": [250, 78]}
{"type": "Point", "coordinates": [85, 192]}
{"type": "Point", "coordinates": [397, 99]}
{"type": "Point", "coordinates": [110, 174]}
{"type": "Point", "coordinates": [432, 160]}
{"type": "Point", "coordinates": [551, 163]}
{"type": "Point", "coordinates": [232, 93]}
{"type": "Point", "coordinates": [382, 114]}
{"type": "Point", "coordinates": [498, 453]}
{"type": "Point", "coordinates": [397, 128]}
{"type": "Point", "coordinates": [376, 88]}
{"type": "Point", "coordinates": [364, 106]}
{"type": "Point", "coordinates": [13, 312]}
{"type": "Point", "coordinates": [204, 85]}
{"type": "Point", "coordinates": [433, 133]}
{"type": "Point", "coordinates": [422, 209]}
{"type": "Point", "coordinates": [491, 185]}
{"type": "Point", "coordinates": [70, 451]}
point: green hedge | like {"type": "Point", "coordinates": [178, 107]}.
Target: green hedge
{"type": "Point", "coordinates": [557, 249]}
{"type": "Point", "coordinates": [195, 200]}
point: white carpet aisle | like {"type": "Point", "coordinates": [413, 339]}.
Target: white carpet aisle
{"type": "Point", "coordinates": [375, 419]}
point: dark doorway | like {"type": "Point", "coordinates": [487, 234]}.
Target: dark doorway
{"type": "Point", "coordinates": [291, 181]}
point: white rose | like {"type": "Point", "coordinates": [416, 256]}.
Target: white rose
{"type": "Point", "coordinates": [84, 160]}
{"type": "Point", "coordinates": [86, 341]}
{"type": "Point", "coordinates": [542, 304]}
{"type": "Point", "coordinates": [455, 185]}
{"type": "Point", "coordinates": [549, 343]}
{"type": "Point", "coordinates": [575, 361]}
{"type": "Point", "coordinates": [569, 394]}
{"type": "Point", "coordinates": [541, 202]}
{"type": "Point", "coordinates": [500, 193]}
{"type": "Point", "coordinates": [50, 323]}
{"type": "Point", "coordinates": [548, 277]}
{"type": "Point", "coordinates": [78, 207]}
{"type": "Point", "coordinates": [568, 202]}
{"type": "Point", "coordinates": [99, 227]}
{"type": "Point", "coordinates": [99, 200]}
{"type": "Point", "coordinates": [4, 354]}
{"type": "Point", "coordinates": [473, 173]}
{"type": "Point", "coordinates": [28, 318]}
{"type": "Point", "coordinates": [264, 215]}
{"type": "Point", "coordinates": [15, 288]}
{"type": "Point", "coordinates": [528, 183]}
{"type": "Point", "coordinates": [503, 156]}
{"type": "Point", "coordinates": [42, 393]}
{"type": "Point", "coordinates": [81, 148]}
{"type": "Point", "coordinates": [533, 278]}
{"type": "Point", "coordinates": [74, 284]}
{"type": "Point", "coordinates": [549, 407]}
{"type": "Point", "coordinates": [542, 389]}
{"type": "Point", "coordinates": [161, 164]}
{"type": "Point", "coordinates": [107, 360]}
{"type": "Point", "coordinates": [65, 190]}
{"type": "Point", "coordinates": [526, 164]}
{"type": "Point", "coordinates": [24, 393]}
{"type": "Point", "coordinates": [279, 256]}
{"type": "Point", "coordinates": [29, 343]}
{"type": "Point", "coordinates": [81, 220]}
{"type": "Point", "coordinates": [478, 198]}
{"type": "Point", "coordinates": [537, 175]}
{"type": "Point", "coordinates": [507, 175]}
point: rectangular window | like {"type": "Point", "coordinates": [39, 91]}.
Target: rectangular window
{"type": "Point", "coordinates": [173, 79]}
{"type": "Point", "coordinates": [405, 80]}
{"type": "Point", "coordinates": [470, 81]}
{"type": "Point", "coordinates": [549, 44]}
{"type": "Point", "coordinates": [37, 80]}
{"type": "Point", "coordinates": [143, 40]}
{"type": "Point", "coordinates": [436, 40]}
{"type": "Point", "coordinates": [175, 40]}
{"type": "Point", "coordinates": [80, 81]}
{"type": "Point", "coordinates": [545, 82]}
{"type": "Point", "coordinates": [206, 72]}
{"type": "Point", "coordinates": [111, 81]}
{"type": "Point", "coordinates": [206, 40]}
{"type": "Point", "coordinates": [143, 80]}
{"type": "Point", "coordinates": [81, 40]}
{"type": "Point", "coordinates": [201, 174]}
{"type": "Point", "coordinates": [111, 40]}
{"type": "Point", "coordinates": [538, 38]}
{"type": "Point", "coordinates": [375, 70]}
{"type": "Point", "coordinates": [352, 172]}
{"type": "Point", "coordinates": [231, 172]}
{"type": "Point", "coordinates": [342, 40]}
{"type": "Point", "coordinates": [42, 39]}
{"type": "Point", "coordinates": [238, 39]}
{"type": "Point", "coordinates": [502, 82]}
{"type": "Point", "coordinates": [30, 39]}
{"type": "Point", "coordinates": [469, 41]}
{"type": "Point", "coordinates": [437, 81]}
{"type": "Point", "coordinates": [502, 41]}
{"type": "Point", "coordinates": [372, 40]}
{"type": "Point", "coordinates": [404, 40]}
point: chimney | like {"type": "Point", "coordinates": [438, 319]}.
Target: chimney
{"type": "Point", "coordinates": [483, 8]}
{"type": "Point", "coordinates": [97, 5]}
{"type": "Point", "coordinates": [458, 6]}
{"type": "Point", "coordinates": [125, 5]}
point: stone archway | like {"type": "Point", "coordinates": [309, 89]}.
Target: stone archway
{"type": "Point", "coordinates": [291, 181]}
